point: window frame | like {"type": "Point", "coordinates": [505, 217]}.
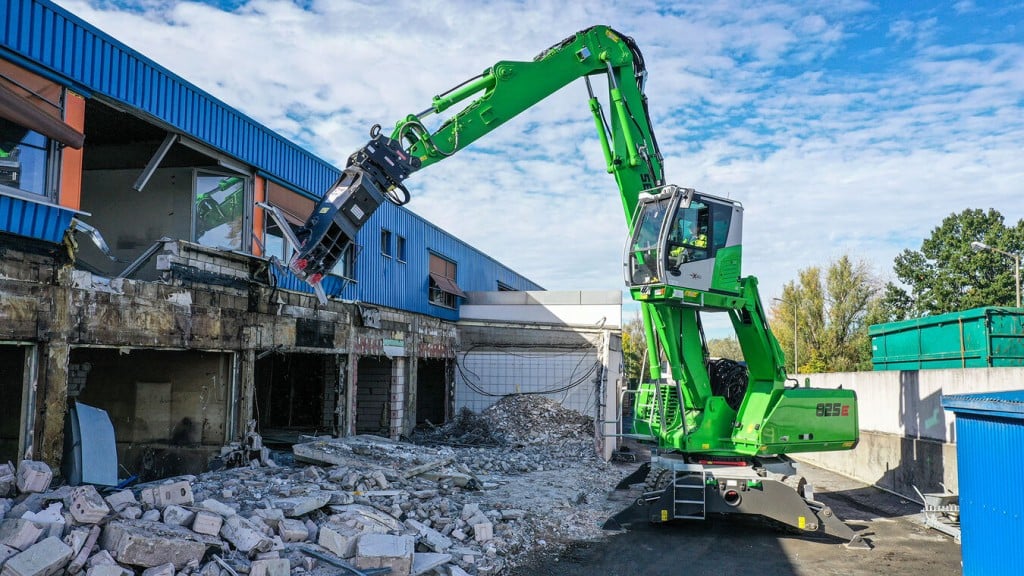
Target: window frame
{"type": "Point", "coordinates": [385, 243]}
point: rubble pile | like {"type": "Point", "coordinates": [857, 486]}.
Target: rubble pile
{"type": "Point", "coordinates": [530, 419]}
{"type": "Point", "coordinates": [521, 476]}
{"type": "Point", "coordinates": [466, 429]}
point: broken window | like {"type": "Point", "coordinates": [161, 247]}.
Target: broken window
{"type": "Point", "coordinates": [219, 210]}
{"type": "Point", "coordinates": [443, 290]}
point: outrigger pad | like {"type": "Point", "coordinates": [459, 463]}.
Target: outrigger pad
{"type": "Point", "coordinates": [623, 519]}
{"type": "Point", "coordinates": [636, 477]}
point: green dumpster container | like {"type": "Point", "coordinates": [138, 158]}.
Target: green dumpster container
{"type": "Point", "coordinates": [977, 338]}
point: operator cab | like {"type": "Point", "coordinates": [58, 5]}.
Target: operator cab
{"type": "Point", "coordinates": [685, 239]}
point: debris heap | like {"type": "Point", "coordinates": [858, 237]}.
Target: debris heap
{"type": "Point", "coordinates": [364, 502]}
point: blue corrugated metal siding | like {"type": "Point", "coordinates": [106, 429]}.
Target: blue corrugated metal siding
{"type": "Point", "coordinates": [388, 282]}
{"type": "Point", "coordinates": [989, 437]}
{"type": "Point", "coordinates": [65, 45]}
{"type": "Point", "coordinates": [24, 218]}
{"type": "Point", "coordinates": [66, 48]}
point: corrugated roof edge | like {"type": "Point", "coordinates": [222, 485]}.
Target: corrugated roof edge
{"type": "Point", "coordinates": [1009, 404]}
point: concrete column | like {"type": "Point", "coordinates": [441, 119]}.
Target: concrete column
{"type": "Point", "coordinates": [52, 398]}
{"type": "Point", "coordinates": [398, 388]}
{"type": "Point", "coordinates": [246, 389]}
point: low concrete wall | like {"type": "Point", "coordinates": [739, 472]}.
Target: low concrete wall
{"type": "Point", "coordinates": [907, 439]}
{"type": "Point", "coordinates": [896, 463]}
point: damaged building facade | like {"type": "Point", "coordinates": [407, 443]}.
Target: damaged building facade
{"type": "Point", "coordinates": [140, 275]}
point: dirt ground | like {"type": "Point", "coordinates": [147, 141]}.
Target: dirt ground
{"type": "Point", "coordinates": [901, 544]}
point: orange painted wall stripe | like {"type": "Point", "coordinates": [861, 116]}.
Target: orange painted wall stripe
{"type": "Point", "coordinates": [259, 194]}
{"type": "Point", "coordinates": [71, 159]}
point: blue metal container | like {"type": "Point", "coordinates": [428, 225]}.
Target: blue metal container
{"type": "Point", "coordinates": [989, 444]}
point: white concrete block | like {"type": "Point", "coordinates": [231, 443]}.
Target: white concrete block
{"type": "Point", "coordinates": [179, 493]}
{"type": "Point", "coordinates": [42, 559]}
{"type": "Point", "coordinates": [208, 523]}
{"type": "Point", "coordinates": [386, 551]}
{"type": "Point", "coordinates": [86, 505]}
{"type": "Point", "coordinates": [33, 476]}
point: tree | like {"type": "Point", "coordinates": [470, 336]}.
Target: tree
{"type": "Point", "coordinates": [725, 348]}
{"type": "Point", "coordinates": [634, 351]}
{"type": "Point", "coordinates": [830, 313]}
{"type": "Point", "coordinates": [946, 275]}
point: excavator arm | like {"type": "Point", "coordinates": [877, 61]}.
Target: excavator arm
{"type": "Point", "coordinates": [378, 170]}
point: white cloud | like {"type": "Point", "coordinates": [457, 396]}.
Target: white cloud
{"type": "Point", "coordinates": [842, 128]}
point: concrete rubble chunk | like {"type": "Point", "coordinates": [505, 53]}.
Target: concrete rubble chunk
{"type": "Point", "coordinates": [423, 562]}
{"type": "Point", "coordinates": [76, 538]}
{"type": "Point", "coordinates": [244, 535]}
{"type": "Point", "coordinates": [271, 517]}
{"type": "Point", "coordinates": [270, 567]}
{"type": "Point", "coordinates": [218, 507]}
{"type": "Point", "coordinates": [51, 520]}
{"type": "Point", "coordinates": [82, 556]}
{"type": "Point", "coordinates": [292, 530]}
{"type": "Point", "coordinates": [33, 476]}
{"type": "Point", "coordinates": [207, 523]}
{"type": "Point", "coordinates": [177, 516]}
{"type": "Point", "coordinates": [369, 517]}
{"type": "Point", "coordinates": [386, 551]}
{"type": "Point", "coordinates": [118, 501]}
{"type": "Point", "coordinates": [161, 570]}
{"type": "Point", "coordinates": [42, 559]}
{"type": "Point", "coordinates": [340, 539]}
{"type": "Point", "coordinates": [483, 531]}
{"type": "Point", "coordinates": [429, 537]}
{"type": "Point", "coordinates": [148, 544]}
{"type": "Point", "coordinates": [19, 533]}
{"type": "Point", "coordinates": [456, 571]}
{"type": "Point", "coordinates": [164, 495]}
{"type": "Point", "coordinates": [101, 558]}
{"type": "Point", "coordinates": [301, 505]}
{"type": "Point", "coordinates": [86, 505]}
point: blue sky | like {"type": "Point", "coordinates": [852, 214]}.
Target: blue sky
{"type": "Point", "coordinates": [844, 126]}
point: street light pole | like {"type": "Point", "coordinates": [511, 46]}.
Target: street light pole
{"type": "Point", "coordinates": [796, 360]}
{"type": "Point", "coordinates": [979, 246]}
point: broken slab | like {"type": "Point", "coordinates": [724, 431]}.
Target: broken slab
{"type": "Point", "coordinates": [120, 500]}
{"type": "Point", "coordinates": [33, 476]}
{"type": "Point", "coordinates": [218, 507]}
{"type": "Point", "coordinates": [179, 493]}
{"type": "Point", "coordinates": [6, 552]}
{"type": "Point", "coordinates": [296, 506]}
{"type": "Point", "coordinates": [423, 468]}
{"type": "Point", "coordinates": [19, 533]}
{"type": "Point", "coordinates": [177, 516]}
{"type": "Point", "coordinates": [42, 559]}
{"type": "Point", "coordinates": [429, 537]}
{"type": "Point", "coordinates": [245, 536]}
{"type": "Point", "coordinates": [386, 551]}
{"type": "Point", "coordinates": [369, 517]}
{"type": "Point", "coordinates": [147, 544]}
{"type": "Point", "coordinates": [340, 539]}
{"type": "Point", "coordinates": [423, 562]}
